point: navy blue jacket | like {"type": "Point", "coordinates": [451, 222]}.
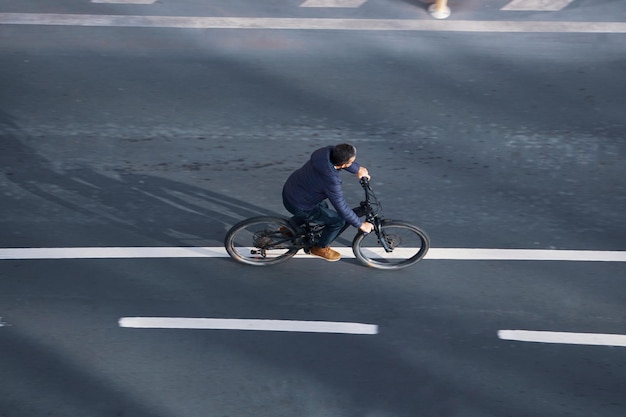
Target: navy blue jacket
{"type": "Point", "coordinates": [318, 180]}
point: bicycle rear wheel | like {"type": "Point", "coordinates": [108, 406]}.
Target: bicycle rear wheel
{"type": "Point", "coordinates": [409, 244]}
{"type": "Point", "coordinates": [261, 241]}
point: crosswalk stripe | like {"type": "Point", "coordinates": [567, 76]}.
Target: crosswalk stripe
{"type": "Point", "coordinates": [125, 1]}
{"type": "Point", "coordinates": [333, 3]}
{"type": "Point", "coordinates": [537, 5]}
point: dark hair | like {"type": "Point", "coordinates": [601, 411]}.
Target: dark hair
{"type": "Point", "coordinates": [341, 154]}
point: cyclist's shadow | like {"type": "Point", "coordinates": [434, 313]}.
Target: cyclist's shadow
{"type": "Point", "coordinates": [152, 207]}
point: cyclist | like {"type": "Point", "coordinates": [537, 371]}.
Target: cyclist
{"type": "Point", "coordinates": [306, 190]}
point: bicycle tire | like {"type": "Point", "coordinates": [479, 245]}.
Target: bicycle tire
{"type": "Point", "coordinates": [409, 244]}
{"type": "Point", "coordinates": [261, 241]}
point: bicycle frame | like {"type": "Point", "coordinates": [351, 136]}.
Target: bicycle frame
{"type": "Point", "coordinates": [368, 208]}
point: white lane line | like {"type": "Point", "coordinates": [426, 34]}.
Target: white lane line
{"type": "Point", "coordinates": [308, 24]}
{"type": "Point", "coordinates": [462, 254]}
{"type": "Point", "coordinates": [595, 339]}
{"type": "Point", "coordinates": [537, 5]}
{"type": "Point", "coordinates": [247, 324]}
{"type": "Point", "coordinates": [333, 3]}
{"type": "Point", "coordinates": [477, 254]}
{"type": "Point", "coordinates": [112, 252]}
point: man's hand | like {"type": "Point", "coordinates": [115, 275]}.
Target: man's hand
{"type": "Point", "coordinates": [366, 227]}
{"type": "Point", "coordinates": [363, 173]}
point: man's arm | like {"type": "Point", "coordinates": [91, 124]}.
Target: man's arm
{"type": "Point", "coordinates": [362, 172]}
{"type": "Point", "coordinates": [357, 169]}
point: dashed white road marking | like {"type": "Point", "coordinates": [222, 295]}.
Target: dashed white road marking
{"type": "Point", "coordinates": [462, 254]}
{"type": "Point", "coordinates": [333, 3]}
{"type": "Point", "coordinates": [248, 324]}
{"type": "Point", "coordinates": [595, 339]}
{"type": "Point", "coordinates": [180, 22]}
{"type": "Point", "coordinates": [537, 5]}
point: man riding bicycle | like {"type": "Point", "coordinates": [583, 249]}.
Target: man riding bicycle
{"type": "Point", "coordinates": [306, 190]}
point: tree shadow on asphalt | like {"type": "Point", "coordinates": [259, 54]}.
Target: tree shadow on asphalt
{"type": "Point", "coordinates": [41, 380]}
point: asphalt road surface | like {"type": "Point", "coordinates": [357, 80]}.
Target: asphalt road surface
{"type": "Point", "coordinates": [496, 129]}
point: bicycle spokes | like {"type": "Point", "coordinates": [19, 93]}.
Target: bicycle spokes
{"type": "Point", "coordinates": [261, 241]}
{"type": "Point", "coordinates": [394, 245]}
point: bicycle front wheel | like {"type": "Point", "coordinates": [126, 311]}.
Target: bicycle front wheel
{"type": "Point", "coordinates": [407, 242]}
{"type": "Point", "coordinates": [261, 241]}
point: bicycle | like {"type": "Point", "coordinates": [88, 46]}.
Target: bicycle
{"type": "Point", "coordinates": [268, 240]}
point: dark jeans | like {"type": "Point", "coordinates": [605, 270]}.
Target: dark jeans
{"type": "Point", "coordinates": [322, 214]}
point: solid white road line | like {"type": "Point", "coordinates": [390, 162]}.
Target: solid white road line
{"type": "Point", "coordinates": [112, 252]}
{"type": "Point", "coordinates": [309, 24]}
{"type": "Point", "coordinates": [595, 339]}
{"type": "Point", "coordinates": [248, 324]}
{"type": "Point", "coordinates": [461, 254]}
{"type": "Point", "coordinates": [477, 254]}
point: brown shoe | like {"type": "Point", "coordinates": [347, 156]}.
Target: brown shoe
{"type": "Point", "coordinates": [326, 253]}
{"type": "Point", "coordinates": [285, 232]}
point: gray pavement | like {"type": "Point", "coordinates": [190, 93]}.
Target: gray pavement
{"type": "Point", "coordinates": [166, 137]}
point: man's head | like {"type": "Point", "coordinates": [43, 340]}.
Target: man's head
{"type": "Point", "coordinates": [343, 155]}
